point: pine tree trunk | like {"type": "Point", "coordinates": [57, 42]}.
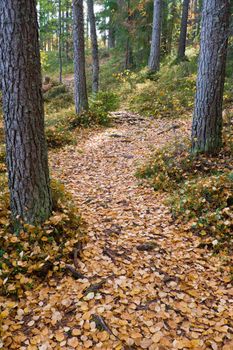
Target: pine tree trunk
{"type": "Point", "coordinates": [67, 46]}
{"type": "Point", "coordinates": [196, 19]}
{"type": "Point", "coordinates": [154, 59]}
{"type": "Point", "coordinates": [80, 88]}
{"type": "Point", "coordinates": [128, 55]}
{"type": "Point", "coordinates": [111, 34]}
{"type": "Point", "coordinates": [128, 49]}
{"type": "Point", "coordinates": [94, 44]}
{"type": "Point", "coordinates": [164, 31]}
{"type": "Point", "coordinates": [207, 118]}
{"type": "Point", "coordinates": [183, 30]}
{"type": "Point", "coordinates": [60, 40]}
{"type": "Point", "coordinates": [26, 151]}
{"type": "Point", "coordinates": [171, 24]}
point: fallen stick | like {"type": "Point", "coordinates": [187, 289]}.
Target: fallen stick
{"type": "Point", "coordinates": [73, 272]}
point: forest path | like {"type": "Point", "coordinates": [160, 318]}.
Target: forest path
{"type": "Point", "coordinates": [173, 296]}
{"type": "Point", "coordinates": [149, 285]}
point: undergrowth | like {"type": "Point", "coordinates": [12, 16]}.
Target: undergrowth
{"type": "Point", "coordinates": [37, 251]}
{"type": "Point", "coordinates": [61, 118]}
{"type": "Point", "coordinates": [200, 189]}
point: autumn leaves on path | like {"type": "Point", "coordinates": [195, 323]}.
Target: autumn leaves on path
{"type": "Point", "coordinates": [146, 284]}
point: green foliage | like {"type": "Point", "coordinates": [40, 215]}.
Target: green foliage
{"type": "Point", "coordinates": [104, 102]}
{"type": "Point", "coordinates": [54, 92]}
{"type": "Point", "coordinates": [200, 188]}
{"type": "Point", "coordinates": [100, 105]}
{"type": "Point", "coordinates": [168, 167]}
{"type": "Point", "coordinates": [207, 204]}
{"type": "Point", "coordinates": [165, 94]}
{"type": "Point", "coordinates": [57, 98]}
{"type": "Point", "coordinates": [58, 136]}
{"type": "Point", "coordinates": [44, 61]}
{"type": "Point", "coordinates": [36, 251]}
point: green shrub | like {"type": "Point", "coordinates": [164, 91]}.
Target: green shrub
{"type": "Point", "coordinates": [100, 105]}
{"type": "Point", "coordinates": [200, 188]}
{"type": "Point", "coordinates": [59, 136]}
{"type": "Point", "coordinates": [169, 166]}
{"type": "Point", "coordinates": [104, 102]}
{"type": "Point", "coordinates": [207, 204]}
{"type": "Point", "coordinates": [54, 92]}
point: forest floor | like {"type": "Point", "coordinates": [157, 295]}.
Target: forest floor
{"type": "Point", "coordinates": [149, 285]}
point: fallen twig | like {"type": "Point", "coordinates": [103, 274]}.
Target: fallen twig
{"type": "Point", "coordinates": [73, 272]}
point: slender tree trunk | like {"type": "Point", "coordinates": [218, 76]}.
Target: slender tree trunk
{"type": "Point", "coordinates": [183, 30]}
{"type": "Point", "coordinates": [87, 30]}
{"type": "Point", "coordinates": [111, 34]}
{"type": "Point", "coordinates": [128, 49]}
{"type": "Point", "coordinates": [67, 31]}
{"type": "Point", "coordinates": [60, 41]}
{"type": "Point", "coordinates": [171, 23]}
{"type": "Point", "coordinates": [128, 55]}
{"type": "Point", "coordinates": [164, 32]}
{"type": "Point", "coordinates": [196, 19]}
{"type": "Point", "coordinates": [154, 59]}
{"type": "Point", "coordinates": [80, 88]}
{"type": "Point", "coordinates": [94, 44]}
{"type": "Point", "coordinates": [207, 118]}
{"type": "Point", "coordinates": [26, 149]}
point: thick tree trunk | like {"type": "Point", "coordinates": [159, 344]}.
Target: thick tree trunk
{"type": "Point", "coordinates": [94, 44]}
{"type": "Point", "coordinates": [183, 30]}
{"type": "Point", "coordinates": [80, 88]}
{"type": "Point", "coordinates": [23, 112]}
{"type": "Point", "coordinates": [207, 118]}
{"type": "Point", "coordinates": [154, 59]}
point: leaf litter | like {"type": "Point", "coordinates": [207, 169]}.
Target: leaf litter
{"type": "Point", "coordinates": [154, 289]}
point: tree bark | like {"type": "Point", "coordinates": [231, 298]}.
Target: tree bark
{"type": "Point", "coordinates": [80, 88]}
{"type": "Point", "coordinates": [94, 44]}
{"type": "Point", "coordinates": [164, 29]}
{"type": "Point", "coordinates": [60, 40]}
{"type": "Point", "coordinates": [207, 118]}
{"type": "Point", "coordinates": [154, 59]}
{"type": "Point", "coordinates": [171, 24]}
{"type": "Point", "coordinates": [183, 31]}
{"type": "Point", "coordinates": [128, 55]}
{"type": "Point", "coordinates": [111, 34]}
{"type": "Point", "coordinates": [128, 49]}
{"type": "Point", "coordinates": [26, 151]}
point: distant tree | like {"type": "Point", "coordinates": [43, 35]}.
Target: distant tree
{"type": "Point", "coordinates": [60, 40]}
{"type": "Point", "coordinates": [26, 151]}
{"type": "Point", "coordinates": [173, 16]}
{"type": "Point", "coordinates": [183, 30]}
{"type": "Point", "coordinates": [128, 46]}
{"type": "Point", "coordinates": [207, 118]}
{"type": "Point", "coordinates": [94, 44]}
{"type": "Point", "coordinates": [80, 88]}
{"type": "Point", "coordinates": [154, 59]}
